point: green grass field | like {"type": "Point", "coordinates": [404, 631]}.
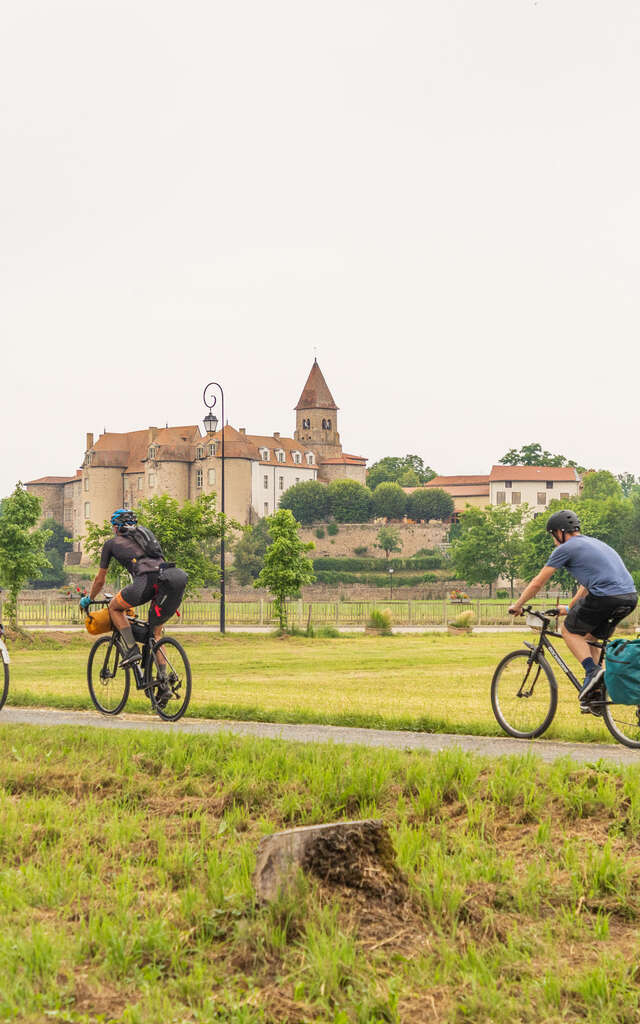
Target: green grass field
{"type": "Point", "coordinates": [126, 885]}
{"type": "Point", "coordinates": [432, 682]}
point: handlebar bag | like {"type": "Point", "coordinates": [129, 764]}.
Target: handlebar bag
{"type": "Point", "coordinates": [622, 671]}
{"type": "Point", "coordinates": [98, 622]}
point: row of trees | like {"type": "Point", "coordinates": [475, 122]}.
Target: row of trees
{"type": "Point", "coordinates": [347, 501]}
{"type": "Point", "coordinates": [507, 541]}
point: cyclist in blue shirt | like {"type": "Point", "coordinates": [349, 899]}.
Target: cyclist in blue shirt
{"type": "Point", "coordinates": [606, 590]}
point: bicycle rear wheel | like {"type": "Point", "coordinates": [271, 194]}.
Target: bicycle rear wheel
{"type": "Point", "coordinates": [177, 675]}
{"type": "Point", "coordinates": [108, 682]}
{"type": "Point", "coordinates": [524, 695]}
{"type": "Point", "coordinates": [623, 722]}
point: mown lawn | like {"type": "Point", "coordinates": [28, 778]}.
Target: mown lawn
{"type": "Point", "coordinates": [432, 682]}
{"type": "Point", "coordinates": [126, 885]}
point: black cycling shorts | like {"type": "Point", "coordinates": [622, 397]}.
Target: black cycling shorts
{"type": "Point", "coordinates": [140, 590]}
{"type": "Point", "coordinates": [593, 615]}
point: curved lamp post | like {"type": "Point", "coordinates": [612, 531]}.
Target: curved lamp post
{"type": "Point", "coordinates": [210, 399]}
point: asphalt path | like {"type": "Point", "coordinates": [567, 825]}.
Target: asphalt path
{"type": "Point", "coordinates": [488, 746]}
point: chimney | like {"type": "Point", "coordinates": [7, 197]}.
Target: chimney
{"type": "Point", "coordinates": [89, 442]}
{"type": "Point", "coordinates": [153, 433]}
{"type": "Point", "coordinates": [242, 430]}
{"type": "Point", "coordinates": [276, 433]}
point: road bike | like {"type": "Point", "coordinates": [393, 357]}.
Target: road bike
{"type": "Point", "coordinates": [524, 691]}
{"type": "Point", "coordinates": [164, 667]}
{"type": "Point", "coordinates": [4, 656]}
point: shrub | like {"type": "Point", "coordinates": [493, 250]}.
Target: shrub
{"type": "Point", "coordinates": [380, 620]}
{"type": "Point", "coordinates": [502, 593]}
{"type": "Point", "coordinates": [362, 550]}
{"type": "Point", "coordinates": [332, 529]}
{"type": "Point", "coordinates": [330, 632]}
{"type": "Point", "coordinates": [320, 532]}
{"type": "Point", "coordinates": [464, 620]}
{"type": "Point", "coordinates": [429, 577]}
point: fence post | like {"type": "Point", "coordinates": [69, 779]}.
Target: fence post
{"type": "Point", "coordinates": [478, 611]}
{"type": "Point", "coordinates": [262, 611]}
{"type": "Point", "coordinates": [444, 611]}
{"type": "Point", "coordinates": [47, 610]}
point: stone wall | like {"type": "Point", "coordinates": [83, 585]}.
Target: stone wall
{"type": "Point", "coordinates": [413, 536]}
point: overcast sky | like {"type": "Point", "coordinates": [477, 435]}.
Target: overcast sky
{"type": "Point", "coordinates": [438, 197]}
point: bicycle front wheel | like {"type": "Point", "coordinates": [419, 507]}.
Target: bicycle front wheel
{"type": "Point", "coordinates": [524, 695]}
{"type": "Point", "coordinates": [168, 679]}
{"type": "Point", "coordinates": [623, 722]}
{"type": "Point", "coordinates": [4, 685]}
{"type": "Point", "coordinates": [108, 682]}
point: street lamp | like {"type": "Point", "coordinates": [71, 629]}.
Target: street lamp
{"type": "Point", "coordinates": [210, 398]}
{"type": "Point", "coordinates": [391, 584]}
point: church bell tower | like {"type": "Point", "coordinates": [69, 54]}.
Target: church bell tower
{"type": "Point", "coordinates": [317, 416]}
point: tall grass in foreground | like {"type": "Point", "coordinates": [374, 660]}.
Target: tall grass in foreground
{"type": "Point", "coordinates": [126, 895]}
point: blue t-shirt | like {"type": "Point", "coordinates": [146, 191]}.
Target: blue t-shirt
{"type": "Point", "coordinates": [593, 564]}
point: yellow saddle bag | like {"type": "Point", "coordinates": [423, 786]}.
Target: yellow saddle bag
{"type": "Point", "coordinates": [98, 622]}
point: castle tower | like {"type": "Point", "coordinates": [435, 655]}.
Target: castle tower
{"type": "Point", "coordinates": [317, 416]}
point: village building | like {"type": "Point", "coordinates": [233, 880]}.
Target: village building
{"type": "Point", "coordinates": [534, 486]}
{"type": "Point", "coordinates": [119, 469]}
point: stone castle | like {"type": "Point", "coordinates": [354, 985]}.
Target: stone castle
{"type": "Point", "coordinates": [121, 469]}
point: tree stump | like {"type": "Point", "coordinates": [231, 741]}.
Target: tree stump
{"type": "Point", "coordinates": [357, 855]}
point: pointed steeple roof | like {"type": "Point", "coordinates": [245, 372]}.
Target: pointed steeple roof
{"type": "Point", "coordinates": [315, 393]}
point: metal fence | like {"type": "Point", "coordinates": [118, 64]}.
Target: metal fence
{"type": "Point", "coordinates": [64, 613]}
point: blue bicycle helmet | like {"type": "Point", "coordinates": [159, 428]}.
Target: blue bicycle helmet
{"type": "Point", "coordinates": [124, 517]}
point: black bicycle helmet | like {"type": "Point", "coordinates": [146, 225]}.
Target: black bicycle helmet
{"type": "Point", "coordinates": [566, 521]}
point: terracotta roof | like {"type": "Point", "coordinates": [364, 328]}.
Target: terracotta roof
{"type": "Point", "coordinates": [316, 394]}
{"type": "Point", "coordinates": [52, 480]}
{"type": "Point", "coordinates": [345, 460]}
{"type": "Point", "coordinates": [129, 450]}
{"type": "Point", "coordinates": [533, 473]}
{"type": "Point", "coordinates": [457, 490]}
{"type": "Point", "coordinates": [288, 445]}
{"type": "Point", "coordinates": [458, 481]}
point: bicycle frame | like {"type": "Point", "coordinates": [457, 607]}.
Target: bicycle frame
{"type": "Point", "coordinates": [544, 644]}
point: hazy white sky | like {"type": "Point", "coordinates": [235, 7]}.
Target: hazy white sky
{"type": "Point", "coordinates": [440, 196]}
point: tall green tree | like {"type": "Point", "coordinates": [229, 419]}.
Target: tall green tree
{"type": "Point", "coordinates": [489, 544]}
{"type": "Point", "coordinates": [392, 467]}
{"type": "Point", "coordinates": [600, 484]}
{"type": "Point", "coordinates": [249, 552]}
{"type": "Point", "coordinates": [350, 502]}
{"type": "Point", "coordinates": [55, 549]}
{"type": "Point", "coordinates": [389, 500]}
{"type": "Point", "coordinates": [533, 455]}
{"type": "Point", "coordinates": [22, 545]}
{"type": "Point", "coordinates": [286, 567]}
{"type": "Point", "coordinates": [629, 483]}
{"type": "Point", "coordinates": [308, 500]}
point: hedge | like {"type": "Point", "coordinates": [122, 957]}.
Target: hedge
{"type": "Point", "coordinates": [381, 565]}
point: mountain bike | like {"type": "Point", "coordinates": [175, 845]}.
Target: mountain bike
{"type": "Point", "coordinates": [164, 665]}
{"type": "Point", "coordinates": [4, 656]}
{"type": "Point", "coordinates": [524, 691]}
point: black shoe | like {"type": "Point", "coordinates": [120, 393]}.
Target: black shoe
{"type": "Point", "coordinates": [131, 655]}
{"type": "Point", "coordinates": [593, 703]}
{"type": "Point", "coordinates": [590, 681]}
{"type": "Point", "coordinates": [163, 694]}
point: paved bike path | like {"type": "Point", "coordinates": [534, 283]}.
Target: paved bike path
{"type": "Point", "coordinates": [490, 746]}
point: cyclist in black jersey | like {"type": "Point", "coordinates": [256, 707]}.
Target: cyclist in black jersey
{"type": "Point", "coordinates": [144, 573]}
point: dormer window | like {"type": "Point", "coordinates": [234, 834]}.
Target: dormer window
{"type": "Point", "coordinates": [88, 459]}
{"type": "Point", "coordinates": [200, 452]}
{"type": "Point", "coordinates": [213, 448]}
{"type": "Point", "coordinates": [264, 454]}
{"type": "Point", "coordinates": [310, 458]}
{"type": "Point", "coordinates": [280, 455]}
{"type": "Point", "coordinates": [297, 458]}
{"type": "Point", "coordinates": [153, 451]}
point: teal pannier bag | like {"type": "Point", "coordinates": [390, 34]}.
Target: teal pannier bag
{"type": "Point", "coordinates": [622, 671]}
